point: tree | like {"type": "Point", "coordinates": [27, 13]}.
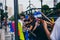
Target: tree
{"type": "Point", "coordinates": [57, 10]}
{"type": "Point", "coordinates": [2, 14]}
{"type": "Point", "coordinates": [11, 18]}
{"type": "Point", "coordinates": [19, 14]}
{"type": "Point", "coordinates": [58, 5]}
{"type": "Point", "coordinates": [45, 9]}
{"type": "Point", "coordinates": [6, 14]}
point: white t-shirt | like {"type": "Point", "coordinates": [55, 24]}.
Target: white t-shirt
{"type": "Point", "coordinates": [55, 35]}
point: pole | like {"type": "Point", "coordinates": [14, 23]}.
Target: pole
{"type": "Point", "coordinates": [29, 4]}
{"type": "Point", "coordinates": [5, 5]}
{"type": "Point", "coordinates": [1, 15]}
{"type": "Point", "coordinates": [0, 20]}
{"type": "Point", "coordinates": [5, 18]}
{"type": "Point", "coordinates": [16, 19]}
{"type": "Point", "coordinates": [55, 2]}
{"type": "Point", "coordinates": [41, 5]}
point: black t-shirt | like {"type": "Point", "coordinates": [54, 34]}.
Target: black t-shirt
{"type": "Point", "coordinates": [33, 24]}
{"type": "Point", "coordinates": [40, 32]}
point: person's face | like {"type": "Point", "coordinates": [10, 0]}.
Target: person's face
{"type": "Point", "coordinates": [4, 20]}
{"type": "Point", "coordinates": [22, 17]}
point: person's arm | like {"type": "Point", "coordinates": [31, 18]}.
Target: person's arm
{"type": "Point", "coordinates": [35, 26]}
{"type": "Point", "coordinates": [30, 27]}
{"type": "Point", "coordinates": [46, 29]}
{"type": "Point", "coordinates": [51, 24]}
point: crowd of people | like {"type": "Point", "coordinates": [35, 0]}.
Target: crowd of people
{"type": "Point", "coordinates": [36, 28]}
{"type": "Point", "coordinates": [40, 29]}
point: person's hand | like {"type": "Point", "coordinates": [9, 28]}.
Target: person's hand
{"type": "Point", "coordinates": [26, 22]}
{"type": "Point", "coordinates": [44, 24]}
{"type": "Point", "coordinates": [36, 24]}
{"type": "Point", "coordinates": [52, 23]}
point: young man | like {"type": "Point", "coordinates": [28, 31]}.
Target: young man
{"type": "Point", "coordinates": [55, 34]}
{"type": "Point", "coordinates": [20, 27]}
{"type": "Point", "coordinates": [39, 31]}
{"type": "Point", "coordinates": [30, 26]}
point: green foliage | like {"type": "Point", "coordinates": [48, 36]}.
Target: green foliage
{"type": "Point", "coordinates": [57, 10]}
{"type": "Point", "coordinates": [45, 9]}
{"type": "Point", "coordinates": [45, 6]}
{"type": "Point", "coordinates": [2, 14]}
{"type": "Point", "coordinates": [58, 5]}
{"type": "Point", "coordinates": [20, 14]}
{"type": "Point", "coordinates": [11, 18]}
{"type": "Point", "coordinates": [6, 14]}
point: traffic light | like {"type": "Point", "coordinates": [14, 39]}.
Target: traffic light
{"type": "Point", "coordinates": [2, 14]}
{"type": "Point", "coordinates": [5, 7]}
{"type": "Point", "coordinates": [6, 14]}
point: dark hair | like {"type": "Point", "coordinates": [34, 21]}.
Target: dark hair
{"type": "Point", "coordinates": [19, 15]}
{"type": "Point", "coordinates": [57, 12]}
{"type": "Point", "coordinates": [32, 17]}
{"type": "Point", "coordinates": [22, 15]}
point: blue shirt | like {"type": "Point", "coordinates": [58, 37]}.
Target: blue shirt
{"type": "Point", "coordinates": [11, 28]}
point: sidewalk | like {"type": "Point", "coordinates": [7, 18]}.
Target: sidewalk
{"type": "Point", "coordinates": [6, 35]}
{"type": "Point", "coordinates": [2, 34]}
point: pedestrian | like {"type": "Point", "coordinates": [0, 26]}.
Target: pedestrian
{"type": "Point", "coordinates": [20, 27]}
{"type": "Point", "coordinates": [39, 30]}
{"type": "Point", "coordinates": [30, 24]}
{"type": "Point", "coordinates": [55, 34]}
